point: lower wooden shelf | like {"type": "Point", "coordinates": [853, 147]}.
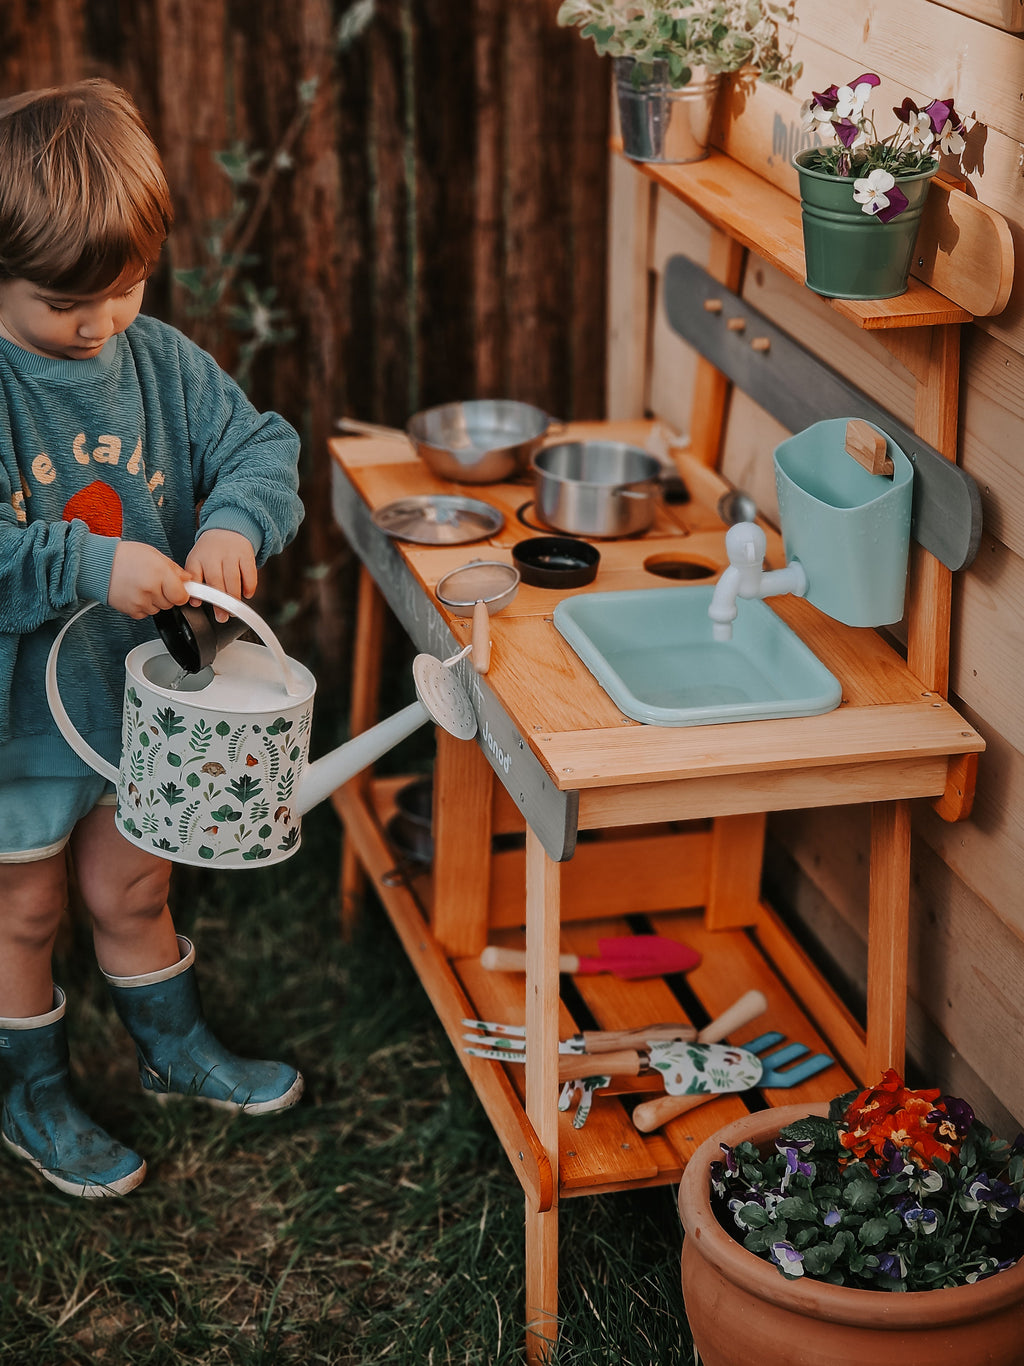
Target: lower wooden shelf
{"type": "Point", "coordinates": [608, 1153]}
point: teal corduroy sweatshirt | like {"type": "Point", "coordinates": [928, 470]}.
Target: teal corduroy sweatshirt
{"type": "Point", "coordinates": [125, 445]}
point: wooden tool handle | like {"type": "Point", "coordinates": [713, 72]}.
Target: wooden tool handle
{"type": "Point", "coordinates": [868, 447]}
{"type": "Point", "coordinates": [480, 655]}
{"type": "Point", "coordinates": [625, 1063]}
{"type": "Point", "coordinates": [609, 1040]}
{"type": "Point", "coordinates": [652, 1114]}
{"type": "Point", "coordinates": [749, 1006]}
{"type": "Point", "coordinates": [514, 960]}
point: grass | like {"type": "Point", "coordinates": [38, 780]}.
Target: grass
{"type": "Point", "coordinates": [378, 1221]}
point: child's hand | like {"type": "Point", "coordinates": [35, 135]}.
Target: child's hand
{"type": "Point", "coordinates": [143, 581]}
{"type": "Point", "coordinates": [225, 560]}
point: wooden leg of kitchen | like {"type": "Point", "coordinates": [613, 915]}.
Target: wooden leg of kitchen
{"type": "Point", "coordinates": [367, 649]}
{"type": "Point", "coordinates": [734, 881]}
{"type": "Point", "coordinates": [543, 912]}
{"type": "Point", "coordinates": [888, 929]}
{"type": "Point", "coordinates": [462, 818]}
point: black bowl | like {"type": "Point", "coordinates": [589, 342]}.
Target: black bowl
{"type": "Point", "coordinates": [556, 561]}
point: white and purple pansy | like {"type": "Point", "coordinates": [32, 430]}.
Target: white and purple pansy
{"type": "Point", "coordinates": [918, 1217]}
{"type": "Point", "coordinates": [787, 1259]}
{"type": "Point", "coordinates": [878, 194]}
{"type": "Point", "coordinates": [851, 99]}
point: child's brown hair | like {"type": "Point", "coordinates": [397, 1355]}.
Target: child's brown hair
{"type": "Point", "coordinates": [83, 199]}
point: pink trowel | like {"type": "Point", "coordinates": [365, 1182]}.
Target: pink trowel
{"type": "Point", "coordinates": [634, 955]}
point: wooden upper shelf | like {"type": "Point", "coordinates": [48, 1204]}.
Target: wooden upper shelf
{"type": "Point", "coordinates": [767, 220]}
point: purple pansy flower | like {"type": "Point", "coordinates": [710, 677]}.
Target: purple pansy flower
{"type": "Point", "coordinates": [786, 1257]}
{"type": "Point", "coordinates": [825, 100]}
{"type": "Point", "coordinates": [892, 1264]}
{"type": "Point", "coordinates": [952, 1110]}
{"type": "Point", "coordinates": [846, 131]}
{"type": "Point", "coordinates": [897, 203]}
{"type": "Point", "coordinates": [907, 111]}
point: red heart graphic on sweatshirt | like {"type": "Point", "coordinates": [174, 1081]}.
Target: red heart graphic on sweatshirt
{"type": "Point", "coordinates": [98, 506]}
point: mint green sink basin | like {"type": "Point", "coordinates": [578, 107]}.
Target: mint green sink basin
{"type": "Point", "coordinates": [653, 653]}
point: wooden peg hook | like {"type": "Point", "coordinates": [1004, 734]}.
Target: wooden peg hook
{"type": "Point", "coordinates": [868, 447]}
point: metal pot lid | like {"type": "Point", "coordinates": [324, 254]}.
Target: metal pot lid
{"type": "Point", "coordinates": [438, 519]}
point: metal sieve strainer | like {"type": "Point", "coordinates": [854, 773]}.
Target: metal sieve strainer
{"type": "Point", "coordinates": [478, 590]}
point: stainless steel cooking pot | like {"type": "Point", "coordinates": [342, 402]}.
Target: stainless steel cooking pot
{"type": "Point", "coordinates": [479, 441]}
{"type": "Point", "coordinates": [596, 488]}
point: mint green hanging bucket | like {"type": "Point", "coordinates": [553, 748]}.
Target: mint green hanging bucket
{"type": "Point", "coordinates": [850, 529]}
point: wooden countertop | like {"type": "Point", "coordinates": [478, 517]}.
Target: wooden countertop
{"type": "Point", "coordinates": [886, 720]}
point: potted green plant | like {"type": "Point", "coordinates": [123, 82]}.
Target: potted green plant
{"type": "Point", "coordinates": [669, 57]}
{"type": "Point", "coordinates": [862, 197]}
{"type": "Point", "coordinates": [885, 1227]}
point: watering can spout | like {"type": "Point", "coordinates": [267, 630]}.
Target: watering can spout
{"type": "Point", "coordinates": [439, 698]}
{"type": "Point", "coordinates": [337, 768]}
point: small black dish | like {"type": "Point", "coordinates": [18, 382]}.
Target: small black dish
{"type": "Point", "coordinates": [556, 561]}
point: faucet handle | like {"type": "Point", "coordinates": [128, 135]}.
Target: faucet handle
{"type": "Point", "coordinates": [746, 545]}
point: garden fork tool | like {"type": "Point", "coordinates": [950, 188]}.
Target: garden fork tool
{"type": "Point", "coordinates": [775, 1073]}
{"type": "Point", "coordinates": [617, 1052]}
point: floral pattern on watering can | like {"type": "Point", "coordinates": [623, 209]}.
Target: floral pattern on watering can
{"type": "Point", "coordinates": [213, 790]}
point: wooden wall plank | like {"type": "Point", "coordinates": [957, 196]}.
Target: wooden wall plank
{"type": "Point", "coordinates": [630, 211]}
{"type": "Point", "coordinates": [992, 414]}
{"type": "Point", "coordinates": [925, 48]}
{"type": "Point", "coordinates": [1004, 14]}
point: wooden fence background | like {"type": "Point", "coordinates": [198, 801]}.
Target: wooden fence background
{"type": "Point", "coordinates": [432, 219]}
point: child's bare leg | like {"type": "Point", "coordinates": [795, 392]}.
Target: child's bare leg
{"type": "Point", "coordinates": [125, 889]}
{"type": "Point", "coordinates": [32, 900]}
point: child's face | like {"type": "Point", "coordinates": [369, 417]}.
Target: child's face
{"type": "Point", "coordinates": [66, 326]}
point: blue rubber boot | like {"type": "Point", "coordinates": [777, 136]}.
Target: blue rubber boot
{"type": "Point", "coordinates": [178, 1053]}
{"type": "Point", "coordinates": [41, 1121]}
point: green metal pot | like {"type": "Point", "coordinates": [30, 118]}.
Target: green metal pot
{"type": "Point", "coordinates": [849, 254]}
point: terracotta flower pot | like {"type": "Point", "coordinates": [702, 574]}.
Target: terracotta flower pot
{"type": "Point", "coordinates": [849, 254]}
{"type": "Point", "coordinates": [741, 1310]}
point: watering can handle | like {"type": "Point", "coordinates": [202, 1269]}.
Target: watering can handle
{"type": "Point", "coordinates": [293, 686]}
{"type": "Point", "coordinates": [84, 751]}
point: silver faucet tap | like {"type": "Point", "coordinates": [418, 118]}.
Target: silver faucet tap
{"type": "Point", "coordinates": [746, 577]}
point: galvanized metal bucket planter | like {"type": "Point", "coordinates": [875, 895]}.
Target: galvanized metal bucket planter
{"type": "Point", "coordinates": [661, 121]}
{"type": "Point", "coordinates": [849, 254]}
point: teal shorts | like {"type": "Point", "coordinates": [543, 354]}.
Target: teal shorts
{"type": "Point", "coordinates": [37, 815]}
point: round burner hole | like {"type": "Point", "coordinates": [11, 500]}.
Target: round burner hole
{"type": "Point", "coordinates": [677, 567]}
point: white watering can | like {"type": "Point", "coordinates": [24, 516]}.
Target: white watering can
{"type": "Point", "coordinates": [214, 764]}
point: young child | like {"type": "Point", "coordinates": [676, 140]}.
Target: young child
{"type": "Point", "coordinates": [114, 430]}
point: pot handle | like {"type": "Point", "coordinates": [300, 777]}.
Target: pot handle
{"type": "Point", "coordinates": [352, 424]}
{"type": "Point", "coordinates": [59, 711]}
{"type": "Point", "coordinates": [293, 686]}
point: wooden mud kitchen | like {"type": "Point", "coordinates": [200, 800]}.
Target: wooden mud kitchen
{"type": "Point", "coordinates": [635, 828]}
